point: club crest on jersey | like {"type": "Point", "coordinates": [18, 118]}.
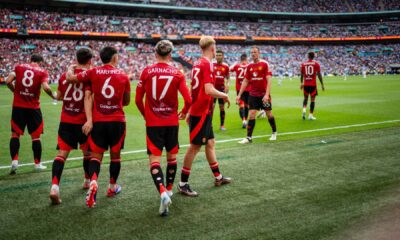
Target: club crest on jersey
{"type": "Point", "coordinates": [259, 68]}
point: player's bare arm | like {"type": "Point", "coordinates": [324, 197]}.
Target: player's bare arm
{"type": "Point", "coordinates": [127, 99]}
{"type": "Point", "coordinates": [227, 84]}
{"type": "Point", "coordinates": [245, 83]}
{"type": "Point", "coordinates": [268, 90]}
{"type": "Point", "coordinates": [211, 91]}
{"type": "Point", "coordinates": [321, 81]}
{"type": "Point", "coordinates": [88, 105]}
{"type": "Point", "coordinates": [47, 89]}
{"type": "Point", "coordinates": [140, 93]}
{"type": "Point", "coordinates": [10, 81]}
{"type": "Point", "coordinates": [301, 82]}
{"type": "Point", "coordinates": [183, 89]}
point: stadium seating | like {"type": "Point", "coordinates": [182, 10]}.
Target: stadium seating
{"type": "Point", "coordinates": [135, 56]}
{"type": "Point", "coordinates": [327, 6]}
{"type": "Point", "coordinates": [41, 20]}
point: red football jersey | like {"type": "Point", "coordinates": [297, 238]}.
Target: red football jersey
{"type": "Point", "coordinates": [221, 72]}
{"type": "Point", "coordinates": [109, 84]}
{"type": "Point", "coordinates": [202, 73]}
{"type": "Point", "coordinates": [73, 109]}
{"type": "Point", "coordinates": [309, 71]}
{"type": "Point", "coordinates": [257, 74]}
{"type": "Point", "coordinates": [28, 82]}
{"type": "Point", "coordinates": [161, 83]}
{"type": "Point", "coordinates": [240, 70]}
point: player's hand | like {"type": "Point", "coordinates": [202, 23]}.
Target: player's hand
{"type": "Point", "coordinates": [181, 115]}
{"type": "Point", "coordinates": [188, 118]}
{"type": "Point", "coordinates": [301, 86]}
{"type": "Point", "coordinates": [265, 99]}
{"type": "Point", "coordinates": [323, 88]}
{"type": "Point", "coordinates": [227, 101]}
{"type": "Point", "coordinates": [226, 90]}
{"type": "Point", "coordinates": [87, 127]}
{"type": "Point", "coordinates": [238, 99]}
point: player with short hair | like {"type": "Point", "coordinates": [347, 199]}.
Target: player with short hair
{"type": "Point", "coordinates": [308, 83]}
{"type": "Point", "coordinates": [200, 122]}
{"type": "Point", "coordinates": [258, 76]}
{"type": "Point", "coordinates": [111, 91]}
{"type": "Point", "coordinates": [160, 84]}
{"type": "Point", "coordinates": [240, 70]}
{"type": "Point", "coordinates": [222, 82]}
{"type": "Point", "coordinates": [26, 82]}
{"type": "Point", "coordinates": [76, 122]}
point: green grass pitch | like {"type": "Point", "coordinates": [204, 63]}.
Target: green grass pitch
{"type": "Point", "coordinates": [318, 181]}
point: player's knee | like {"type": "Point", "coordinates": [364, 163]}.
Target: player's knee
{"type": "Point", "coordinates": [63, 153]}
{"type": "Point", "coordinates": [36, 145]}
{"type": "Point", "coordinates": [115, 155]}
{"type": "Point", "coordinates": [14, 135]}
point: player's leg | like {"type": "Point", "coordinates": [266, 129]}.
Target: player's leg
{"type": "Point", "coordinates": [254, 106]}
{"type": "Point", "coordinates": [86, 162]}
{"type": "Point", "coordinates": [84, 147]}
{"type": "Point", "coordinates": [305, 102]}
{"type": "Point", "coordinates": [271, 120]}
{"type": "Point", "coordinates": [313, 95]}
{"type": "Point", "coordinates": [35, 129]}
{"type": "Point", "coordinates": [312, 107]}
{"type": "Point", "coordinates": [98, 142]}
{"type": "Point", "coordinates": [183, 186]}
{"type": "Point", "coordinates": [222, 114]}
{"type": "Point", "coordinates": [116, 132]}
{"type": "Point", "coordinates": [172, 147]}
{"type": "Point", "coordinates": [18, 123]}
{"type": "Point", "coordinates": [214, 165]}
{"type": "Point", "coordinates": [56, 172]}
{"type": "Point", "coordinates": [14, 150]}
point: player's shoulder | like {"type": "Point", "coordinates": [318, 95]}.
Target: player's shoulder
{"type": "Point", "coordinates": [225, 64]}
{"type": "Point", "coordinates": [264, 62]}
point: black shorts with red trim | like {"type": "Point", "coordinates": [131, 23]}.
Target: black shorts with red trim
{"type": "Point", "coordinates": [201, 129]}
{"type": "Point", "coordinates": [310, 90]}
{"type": "Point", "coordinates": [159, 137]}
{"type": "Point", "coordinates": [69, 135]}
{"type": "Point", "coordinates": [245, 97]}
{"type": "Point", "coordinates": [220, 101]}
{"type": "Point", "coordinates": [256, 103]}
{"type": "Point", "coordinates": [106, 135]}
{"type": "Point", "coordinates": [27, 117]}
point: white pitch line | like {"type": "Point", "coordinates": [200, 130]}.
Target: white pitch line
{"type": "Point", "coordinates": [233, 140]}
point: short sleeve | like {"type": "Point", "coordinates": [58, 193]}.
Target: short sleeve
{"type": "Point", "coordinates": [206, 72]}
{"type": "Point", "coordinates": [45, 77]}
{"type": "Point", "coordinates": [127, 84]}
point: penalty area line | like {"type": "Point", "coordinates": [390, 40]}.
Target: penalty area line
{"type": "Point", "coordinates": [232, 140]}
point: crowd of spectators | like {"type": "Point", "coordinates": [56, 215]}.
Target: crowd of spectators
{"type": "Point", "coordinates": [43, 20]}
{"type": "Point", "coordinates": [326, 6]}
{"type": "Point", "coordinates": [335, 60]}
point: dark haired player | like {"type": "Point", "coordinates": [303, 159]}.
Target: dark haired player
{"type": "Point", "coordinates": [161, 83]}
{"type": "Point", "coordinates": [75, 124]}
{"type": "Point", "coordinates": [240, 70]}
{"type": "Point", "coordinates": [111, 91]}
{"type": "Point", "coordinates": [308, 83]}
{"type": "Point", "coordinates": [200, 123]}
{"type": "Point", "coordinates": [222, 81]}
{"type": "Point", "coordinates": [25, 82]}
{"type": "Point", "coordinates": [258, 76]}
